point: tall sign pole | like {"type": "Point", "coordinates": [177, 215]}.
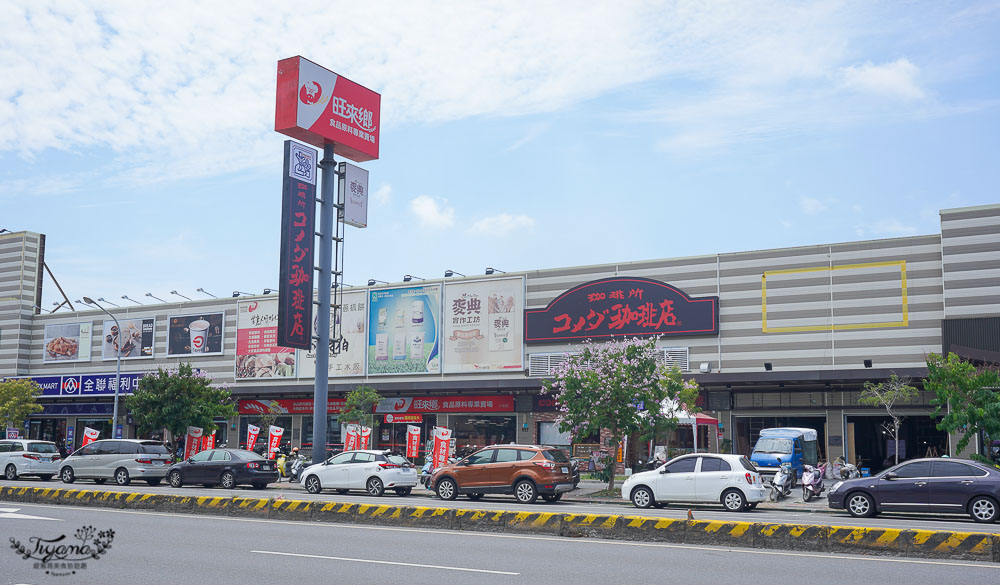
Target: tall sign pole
{"type": "Point", "coordinates": [329, 111]}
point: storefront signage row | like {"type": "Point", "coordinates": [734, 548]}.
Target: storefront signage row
{"type": "Point", "coordinates": [78, 385]}
{"type": "Point", "coordinates": [388, 406]}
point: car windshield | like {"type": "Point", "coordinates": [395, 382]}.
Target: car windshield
{"type": "Point", "coordinates": [154, 449]}
{"type": "Point", "coordinates": [247, 455]}
{"type": "Point", "coordinates": [773, 445]}
{"type": "Point", "coordinates": [398, 460]}
{"type": "Point", "coordinates": [42, 448]}
{"type": "Point", "coordinates": [556, 455]}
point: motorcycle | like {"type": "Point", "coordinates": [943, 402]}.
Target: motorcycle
{"type": "Point", "coordinates": [812, 481]}
{"type": "Point", "coordinates": [847, 470]}
{"type": "Point", "coordinates": [782, 482]}
{"type": "Point", "coordinates": [295, 464]}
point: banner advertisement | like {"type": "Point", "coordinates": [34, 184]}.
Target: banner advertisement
{"type": "Point", "coordinates": [354, 194]}
{"type": "Point", "coordinates": [192, 443]}
{"type": "Point", "coordinates": [352, 437]}
{"type": "Point", "coordinates": [412, 441]}
{"type": "Point", "coordinates": [85, 385]}
{"type": "Point", "coordinates": [252, 432]}
{"type": "Point", "coordinates": [89, 436]}
{"type": "Point", "coordinates": [195, 334]}
{"type": "Point", "coordinates": [209, 442]}
{"type": "Point", "coordinates": [298, 231]}
{"type": "Point", "coordinates": [288, 406]}
{"type": "Point", "coordinates": [365, 436]}
{"type": "Point", "coordinates": [481, 325]}
{"type": "Point", "coordinates": [404, 418]}
{"type": "Point", "coordinates": [67, 342]}
{"type": "Point", "coordinates": [273, 440]}
{"type": "Point", "coordinates": [403, 325]}
{"type": "Point", "coordinates": [135, 339]}
{"type": "Point", "coordinates": [350, 361]}
{"type": "Point", "coordinates": [258, 354]}
{"type": "Point", "coordinates": [430, 404]}
{"type": "Point", "coordinates": [442, 443]}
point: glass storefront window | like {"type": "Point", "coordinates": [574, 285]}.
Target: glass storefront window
{"type": "Point", "coordinates": [284, 422]}
{"type": "Point", "coordinates": [333, 440]}
{"type": "Point", "coordinates": [101, 424]}
{"type": "Point", "coordinates": [480, 430]}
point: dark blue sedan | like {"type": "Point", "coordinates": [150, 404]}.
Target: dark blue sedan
{"type": "Point", "coordinates": [935, 486]}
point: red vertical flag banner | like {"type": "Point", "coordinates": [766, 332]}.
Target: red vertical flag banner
{"type": "Point", "coordinates": [90, 435]}
{"type": "Point", "coordinates": [353, 438]}
{"type": "Point", "coordinates": [366, 435]}
{"type": "Point", "coordinates": [192, 443]}
{"type": "Point", "coordinates": [208, 442]}
{"type": "Point", "coordinates": [412, 441]}
{"type": "Point", "coordinates": [298, 231]}
{"type": "Point", "coordinates": [442, 443]}
{"type": "Point", "coordinates": [273, 440]}
{"type": "Point", "coordinates": [252, 432]}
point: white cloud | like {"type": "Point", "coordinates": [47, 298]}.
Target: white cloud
{"type": "Point", "coordinates": [383, 195]}
{"type": "Point", "coordinates": [896, 79]}
{"type": "Point", "coordinates": [812, 206]}
{"type": "Point", "coordinates": [432, 211]}
{"type": "Point", "coordinates": [501, 224]}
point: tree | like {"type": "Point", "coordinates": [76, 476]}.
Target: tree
{"type": "Point", "coordinates": [967, 395]}
{"type": "Point", "coordinates": [681, 398]}
{"type": "Point", "coordinates": [617, 386]}
{"type": "Point", "coordinates": [18, 399]}
{"type": "Point", "coordinates": [359, 406]}
{"type": "Point", "coordinates": [177, 399]}
{"type": "Point", "coordinates": [887, 394]}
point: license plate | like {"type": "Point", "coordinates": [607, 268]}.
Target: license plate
{"type": "Point", "coordinates": [266, 467]}
{"type": "Point", "coordinates": [408, 470]}
{"type": "Point", "coordinates": [157, 463]}
{"type": "Point", "coordinates": [565, 469]}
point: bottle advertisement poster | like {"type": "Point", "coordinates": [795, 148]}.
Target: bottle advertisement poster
{"type": "Point", "coordinates": [403, 325]}
{"type": "Point", "coordinates": [482, 325]}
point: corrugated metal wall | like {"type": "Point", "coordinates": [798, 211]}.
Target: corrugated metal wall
{"type": "Point", "coordinates": [20, 271]}
{"type": "Point", "coordinates": [970, 244]}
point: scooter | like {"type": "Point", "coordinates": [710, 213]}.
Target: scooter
{"type": "Point", "coordinates": [297, 464]}
{"type": "Point", "coordinates": [847, 470]}
{"type": "Point", "coordinates": [812, 481]}
{"type": "Point", "coordinates": [782, 481]}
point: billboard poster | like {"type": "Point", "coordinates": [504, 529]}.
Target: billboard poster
{"type": "Point", "coordinates": [135, 339]}
{"type": "Point", "coordinates": [481, 325]}
{"type": "Point", "coordinates": [403, 325]}
{"type": "Point", "coordinates": [195, 334]}
{"type": "Point", "coordinates": [350, 361]}
{"type": "Point", "coordinates": [258, 355]}
{"type": "Point", "coordinates": [67, 342]}
{"type": "Point", "coordinates": [317, 106]}
{"type": "Point", "coordinates": [354, 194]}
{"type": "Point", "coordinates": [298, 229]}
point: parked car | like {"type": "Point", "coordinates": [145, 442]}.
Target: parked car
{"type": "Point", "coordinates": [227, 468]}
{"type": "Point", "coordinates": [731, 480]}
{"type": "Point", "coordinates": [120, 459]}
{"type": "Point", "coordinates": [26, 457]}
{"type": "Point", "coordinates": [371, 470]}
{"type": "Point", "coordinates": [527, 471]}
{"type": "Point", "coordinates": [937, 485]}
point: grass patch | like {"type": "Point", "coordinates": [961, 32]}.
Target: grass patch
{"type": "Point", "coordinates": [606, 493]}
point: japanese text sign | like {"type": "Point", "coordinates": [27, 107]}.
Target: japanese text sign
{"type": "Point", "coordinates": [412, 441]}
{"type": "Point", "coordinates": [298, 218]}
{"type": "Point", "coordinates": [317, 106]}
{"type": "Point", "coordinates": [622, 306]}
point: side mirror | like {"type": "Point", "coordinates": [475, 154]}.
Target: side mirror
{"type": "Point", "coordinates": [890, 476]}
{"type": "Point", "coordinates": [664, 469]}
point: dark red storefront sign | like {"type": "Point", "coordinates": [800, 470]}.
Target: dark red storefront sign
{"type": "Point", "coordinates": [287, 406]}
{"type": "Point", "coordinates": [446, 404]}
{"type": "Point", "coordinates": [621, 307]}
{"type": "Point", "coordinates": [298, 215]}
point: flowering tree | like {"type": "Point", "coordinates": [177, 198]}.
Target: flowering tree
{"type": "Point", "coordinates": [173, 400]}
{"type": "Point", "coordinates": [618, 386]}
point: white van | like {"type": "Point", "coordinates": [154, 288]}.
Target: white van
{"type": "Point", "coordinates": [23, 457]}
{"type": "Point", "coordinates": [120, 459]}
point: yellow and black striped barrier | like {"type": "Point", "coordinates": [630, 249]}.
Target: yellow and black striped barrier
{"type": "Point", "coordinates": [835, 539]}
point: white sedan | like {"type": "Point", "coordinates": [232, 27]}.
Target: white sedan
{"type": "Point", "coordinates": [372, 471]}
{"type": "Point", "coordinates": [731, 480]}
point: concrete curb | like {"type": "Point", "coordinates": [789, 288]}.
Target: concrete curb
{"type": "Point", "coordinates": [976, 546]}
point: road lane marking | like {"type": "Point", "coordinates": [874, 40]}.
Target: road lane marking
{"type": "Point", "coordinates": [11, 513]}
{"type": "Point", "coordinates": [377, 562]}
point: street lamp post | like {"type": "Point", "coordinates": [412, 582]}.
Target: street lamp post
{"type": "Point", "coordinates": [118, 365]}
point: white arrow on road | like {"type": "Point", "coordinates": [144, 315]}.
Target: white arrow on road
{"type": "Point", "coordinates": [12, 513]}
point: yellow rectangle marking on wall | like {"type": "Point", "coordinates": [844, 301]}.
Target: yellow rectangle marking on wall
{"type": "Point", "coordinates": [904, 322]}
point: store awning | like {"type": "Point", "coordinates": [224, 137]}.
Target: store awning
{"type": "Point", "coordinates": [686, 418]}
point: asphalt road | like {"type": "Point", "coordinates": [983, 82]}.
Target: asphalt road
{"type": "Point", "coordinates": [423, 497]}
{"type": "Point", "coordinates": [153, 548]}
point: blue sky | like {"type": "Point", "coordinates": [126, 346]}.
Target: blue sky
{"type": "Point", "coordinates": [519, 136]}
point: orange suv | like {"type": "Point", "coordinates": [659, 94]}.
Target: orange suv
{"type": "Point", "coordinates": [527, 471]}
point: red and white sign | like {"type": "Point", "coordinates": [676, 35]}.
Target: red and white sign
{"type": "Point", "coordinates": [273, 440]}
{"type": "Point", "coordinates": [317, 106]}
{"type": "Point", "coordinates": [436, 404]}
{"type": "Point", "coordinates": [90, 435]}
{"type": "Point", "coordinates": [404, 418]}
{"type": "Point", "coordinates": [13, 433]}
{"type": "Point", "coordinates": [192, 444]}
{"type": "Point", "coordinates": [365, 438]}
{"type": "Point", "coordinates": [252, 432]}
{"type": "Point", "coordinates": [442, 444]}
{"type": "Point", "coordinates": [209, 442]}
{"type": "Point", "coordinates": [288, 406]}
{"type": "Point", "coordinates": [412, 441]}
{"type": "Point", "coordinates": [353, 438]}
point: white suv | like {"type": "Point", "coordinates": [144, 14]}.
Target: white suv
{"type": "Point", "coordinates": [731, 480]}
{"type": "Point", "coordinates": [372, 471]}
{"type": "Point", "coordinates": [26, 457]}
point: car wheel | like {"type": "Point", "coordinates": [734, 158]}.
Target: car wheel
{"type": "Point", "coordinates": [67, 475]}
{"type": "Point", "coordinates": [374, 487]}
{"type": "Point", "coordinates": [403, 491]}
{"type": "Point", "coordinates": [446, 489]}
{"type": "Point", "coordinates": [475, 497]}
{"type": "Point", "coordinates": [983, 509]}
{"type": "Point", "coordinates": [175, 479]}
{"type": "Point", "coordinates": [100, 480]}
{"type": "Point", "coordinates": [525, 492]}
{"type": "Point", "coordinates": [312, 485]}
{"type": "Point", "coordinates": [860, 505]}
{"type": "Point", "coordinates": [733, 500]}
{"type": "Point", "coordinates": [642, 497]}
{"type": "Point", "coordinates": [45, 477]}
{"type": "Point", "coordinates": [258, 485]}
{"type": "Point", "coordinates": [121, 476]}
{"type": "Point", "coordinates": [10, 473]}
{"type": "Point", "coordinates": [551, 498]}
{"type": "Point", "coordinates": [228, 480]}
